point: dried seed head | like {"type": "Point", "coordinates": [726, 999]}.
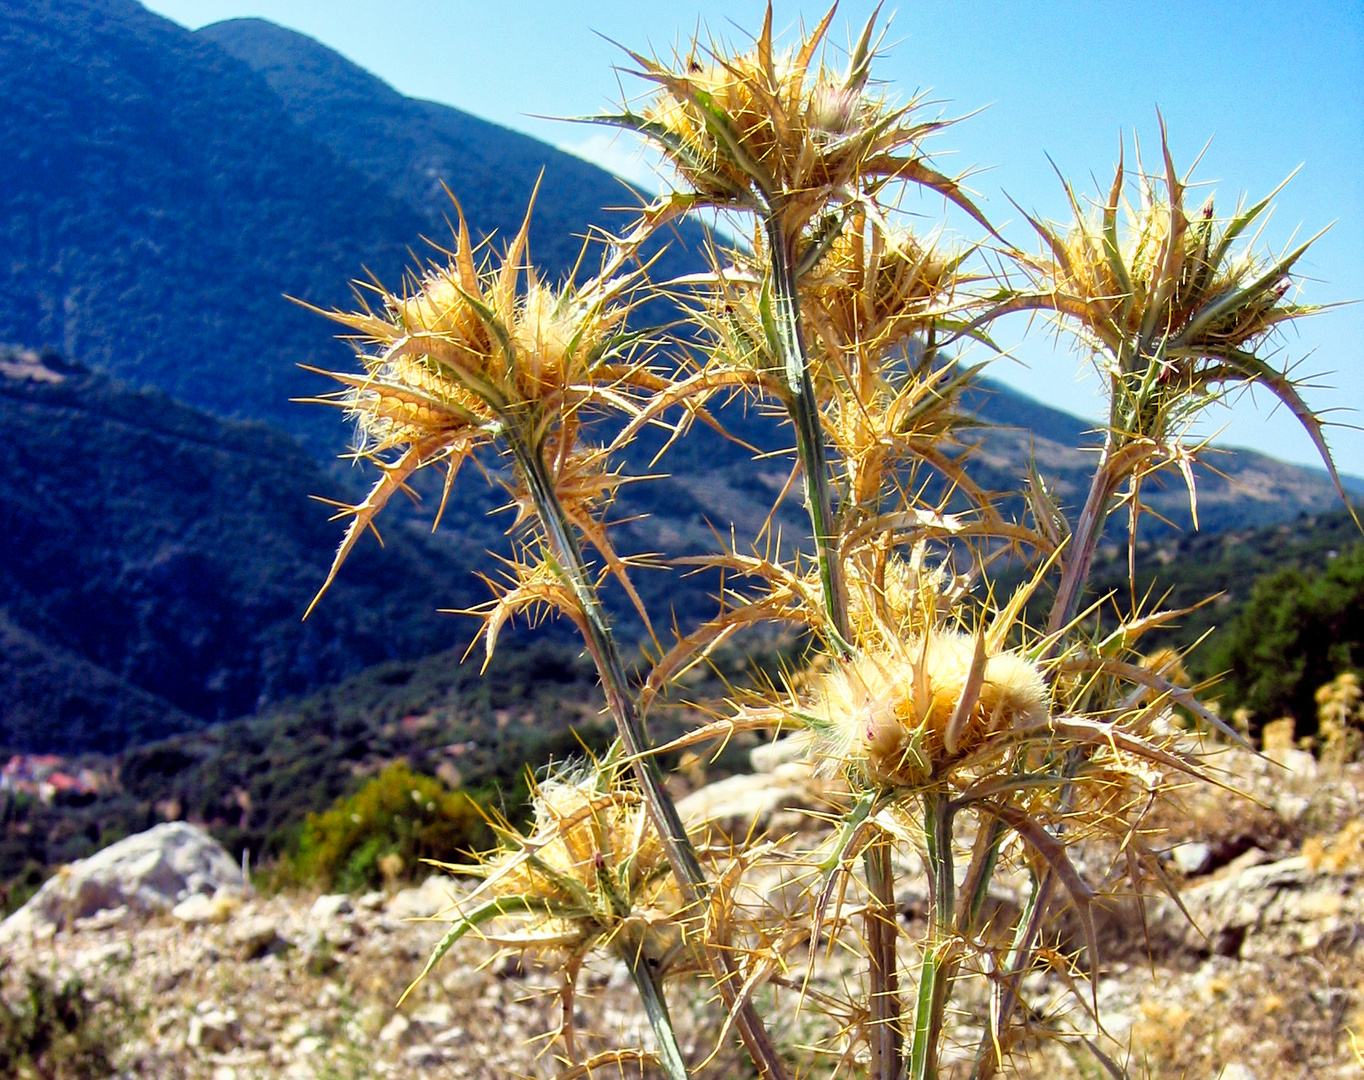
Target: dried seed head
{"type": "Point", "coordinates": [1172, 278]}
{"type": "Point", "coordinates": [893, 599]}
{"type": "Point", "coordinates": [469, 354]}
{"type": "Point", "coordinates": [591, 869]}
{"type": "Point", "coordinates": [1174, 316]}
{"type": "Point", "coordinates": [884, 717]}
{"type": "Point", "coordinates": [1173, 311]}
{"type": "Point", "coordinates": [759, 128]}
{"type": "Point", "coordinates": [872, 291]}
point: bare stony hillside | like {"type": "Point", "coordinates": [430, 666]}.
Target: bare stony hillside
{"type": "Point", "coordinates": [1269, 982]}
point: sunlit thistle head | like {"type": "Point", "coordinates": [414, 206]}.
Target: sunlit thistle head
{"type": "Point", "coordinates": [884, 717]}
{"type": "Point", "coordinates": [758, 124]}
{"type": "Point", "coordinates": [470, 355]}
{"type": "Point", "coordinates": [763, 128]}
{"type": "Point", "coordinates": [871, 292]}
{"type": "Point", "coordinates": [590, 871]}
{"type": "Point", "coordinates": [474, 343]}
{"type": "Point", "coordinates": [1149, 283]}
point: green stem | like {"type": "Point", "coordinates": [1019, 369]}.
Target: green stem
{"type": "Point", "coordinates": [804, 411]}
{"type": "Point", "coordinates": [563, 541]}
{"type": "Point", "coordinates": [1083, 542]}
{"type": "Point", "coordinates": [656, 1007]}
{"type": "Point", "coordinates": [920, 1065]}
{"type": "Point", "coordinates": [941, 951]}
{"type": "Point", "coordinates": [882, 929]}
{"type": "Point", "coordinates": [801, 404]}
{"type": "Point", "coordinates": [681, 855]}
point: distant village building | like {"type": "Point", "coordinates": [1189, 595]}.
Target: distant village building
{"type": "Point", "coordinates": [42, 776]}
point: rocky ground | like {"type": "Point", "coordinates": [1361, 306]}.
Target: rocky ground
{"type": "Point", "coordinates": [1267, 982]}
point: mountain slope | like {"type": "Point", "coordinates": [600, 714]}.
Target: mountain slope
{"type": "Point", "coordinates": [155, 202]}
{"type": "Point", "coordinates": [415, 149]}
{"type": "Point", "coordinates": [154, 556]}
{"type": "Point", "coordinates": [158, 200]}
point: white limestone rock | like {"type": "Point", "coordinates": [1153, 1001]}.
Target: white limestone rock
{"type": "Point", "coordinates": [147, 873]}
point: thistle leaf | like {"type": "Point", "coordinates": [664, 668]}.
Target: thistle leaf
{"type": "Point", "coordinates": [465, 922]}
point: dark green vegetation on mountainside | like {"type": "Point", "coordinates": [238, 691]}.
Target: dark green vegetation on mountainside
{"type": "Point", "coordinates": [155, 562]}
{"type": "Point", "coordinates": [253, 781]}
{"type": "Point", "coordinates": [158, 197]}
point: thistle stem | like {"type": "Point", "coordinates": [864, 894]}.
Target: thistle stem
{"type": "Point", "coordinates": [976, 887]}
{"type": "Point", "coordinates": [681, 855]}
{"type": "Point", "coordinates": [1020, 952]}
{"type": "Point", "coordinates": [656, 1007]}
{"type": "Point", "coordinates": [1084, 541]}
{"type": "Point", "coordinates": [882, 930]}
{"type": "Point", "coordinates": [804, 412]}
{"type": "Point", "coordinates": [1029, 925]}
{"type": "Point", "coordinates": [942, 951]}
{"type": "Point", "coordinates": [883, 962]}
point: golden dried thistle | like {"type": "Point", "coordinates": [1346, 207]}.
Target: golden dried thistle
{"type": "Point", "coordinates": [1176, 313]}
{"type": "Point", "coordinates": [1340, 718]}
{"type": "Point", "coordinates": [473, 355]}
{"type": "Point", "coordinates": [903, 718]}
{"type": "Point", "coordinates": [914, 415]}
{"type": "Point", "coordinates": [892, 599]}
{"type": "Point", "coordinates": [761, 129]}
{"type": "Point", "coordinates": [589, 873]}
{"type": "Point", "coordinates": [872, 291]}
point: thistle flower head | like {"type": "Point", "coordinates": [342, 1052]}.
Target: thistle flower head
{"type": "Point", "coordinates": [471, 354]}
{"type": "Point", "coordinates": [1175, 311]}
{"type": "Point", "coordinates": [872, 291]}
{"type": "Point", "coordinates": [1164, 277]}
{"type": "Point", "coordinates": [583, 821]}
{"type": "Point", "coordinates": [760, 127]}
{"type": "Point", "coordinates": [589, 872]}
{"type": "Point", "coordinates": [892, 599]}
{"type": "Point", "coordinates": [467, 346]}
{"type": "Point", "coordinates": [904, 718]}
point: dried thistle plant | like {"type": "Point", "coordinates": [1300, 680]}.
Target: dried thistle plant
{"type": "Point", "coordinates": [1176, 316]}
{"type": "Point", "coordinates": [949, 724]}
{"type": "Point", "coordinates": [589, 875]}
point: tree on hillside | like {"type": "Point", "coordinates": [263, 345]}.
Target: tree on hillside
{"type": "Point", "coordinates": [1300, 629]}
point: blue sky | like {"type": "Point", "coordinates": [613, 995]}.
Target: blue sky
{"type": "Point", "coordinates": [1274, 86]}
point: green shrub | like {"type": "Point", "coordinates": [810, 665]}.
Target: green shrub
{"type": "Point", "coordinates": [15, 892]}
{"type": "Point", "coordinates": [1299, 630]}
{"type": "Point", "coordinates": [398, 813]}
